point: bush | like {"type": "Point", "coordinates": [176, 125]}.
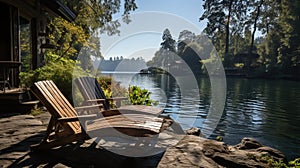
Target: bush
{"type": "Point", "coordinates": [295, 163]}
{"type": "Point", "coordinates": [137, 96]}
{"type": "Point", "coordinates": [279, 163]}
{"type": "Point", "coordinates": [140, 96]}
{"type": "Point", "coordinates": [111, 88]}
{"type": "Point", "coordinates": [59, 70]}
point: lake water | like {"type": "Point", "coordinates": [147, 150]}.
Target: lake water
{"type": "Point", "coordinates": [267, 110]}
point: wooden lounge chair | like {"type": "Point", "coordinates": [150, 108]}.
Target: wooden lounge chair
{"type": "Point", "coordinates": [66, 126]}
{"type": "Point", "coordinates": [93, 94]}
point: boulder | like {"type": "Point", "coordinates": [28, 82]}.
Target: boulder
{"type": "Point", "coordinates": [194, 151]}
{"type": "Point", "coordinates": [193, 131]}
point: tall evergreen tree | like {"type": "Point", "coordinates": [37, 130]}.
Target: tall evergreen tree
{"type": "Point", "coordinates": [168, 41]}
{"type": "Point", "coordinates": [221, 15]}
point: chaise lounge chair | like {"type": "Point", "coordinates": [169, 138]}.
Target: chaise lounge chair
{"type": "Point", "coordinates": [93, 94]}
{"type": "Point", "coordinates": [66, 126]}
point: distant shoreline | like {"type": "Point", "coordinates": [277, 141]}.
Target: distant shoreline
{"type": "Point", "coordinates": [119, 72]}
{"type": "Point", "coordinates": [202, 75]}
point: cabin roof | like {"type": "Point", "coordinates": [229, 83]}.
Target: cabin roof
{"type": "Point", "coordinates": [30, 8]}
{"type": "Point", "coordinates": [58, 8]}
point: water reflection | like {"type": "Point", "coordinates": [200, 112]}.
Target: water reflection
{"type": "Point", "coordinates": [266, 110]}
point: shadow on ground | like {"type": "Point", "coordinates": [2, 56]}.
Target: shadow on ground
{"type": "Point", "coordinates": [19, 132]}
{"type": "Point", "coordinates": [70, 156]}
{"type": "Point", "coordinates": [83, 157]}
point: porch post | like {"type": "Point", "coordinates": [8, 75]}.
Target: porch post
{"type": "Point", "coordinates": [15, 43]}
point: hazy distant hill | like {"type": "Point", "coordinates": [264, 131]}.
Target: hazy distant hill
{"type": "Point", "coordinates": [120, 64]}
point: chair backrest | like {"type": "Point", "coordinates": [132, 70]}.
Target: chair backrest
{"type": "Point", "coordinates": [55, 102]}
{"type": "Point", "coordinates": [91, 90]}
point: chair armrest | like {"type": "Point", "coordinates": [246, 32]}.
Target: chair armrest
{"type": "Point", "coordinates": [96, 100]}
{"type": "Point", "coordinates": [77, 118]}
{"type": "Point", "coordinates": [91, 107]}
{"type": "Point", "coordinates": [83, 120]}
{"type": "Point", "coordinates": [117, 98]}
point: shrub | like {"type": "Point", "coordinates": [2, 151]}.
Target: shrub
{"type": "Point", "coordinates": [140, 96]}
{"type": "Point", "coordinates": [295, 163]}
{"type": "Point", "coordinates": [60, 70]}
{"type": "Point", "coordinates": [279, 163]}
{"type": "Point", "coordinates": [137, 96]}
{"type": "Point", "coordinates": [111, 88]}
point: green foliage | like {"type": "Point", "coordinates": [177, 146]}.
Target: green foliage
{"type": "Point", "coordinates": [239, 65]}
{"type": "Point", "coordinates": [140, 96]}
{"type": "Point", "coordinates": [219, 138]}
{"type": "Point", "coordinates": [68, 37]}
{"type": "Point", "coordinates": [279, 164]}
{"type": "Point", "coordinates": [274, 163]}
{"type": "Point", "coordinates": [270, 161]}
{"type": "Point", "coordinates": [111, 88]}
{"type": "Point", "coordinates": [190, 54]}
{"type": "Point", "coordinates": [233, 29]}
{"type": "Point", "coordinates": [165, 56]}
{"type": "Point", "coordinates": [94, 14]}
{"type": "Point", "coordinates": [137, 96]}
{"type": "Point", "coordinates": [36, 111]}
{"type": "Point", "coordinates": [289, 50]}
{"type": "Point", "coordinates": [295, 163]}
{"type": "Point", "coordinates": [91, 16]}
{"type": "Point", "coordinates": [168, 41]}
{"type": "Point", "coordinates": [25, 46]}
{"type": "Point", "coordinates": [61, 71]}
{"type": "Point", "coordinates": [154, 70]}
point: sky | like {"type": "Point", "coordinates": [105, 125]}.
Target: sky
{"type": "Point", "coordinates": [143, 35]}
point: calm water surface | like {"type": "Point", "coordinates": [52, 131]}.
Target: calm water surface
{"type": "Point", "coordinates": [268, 110]}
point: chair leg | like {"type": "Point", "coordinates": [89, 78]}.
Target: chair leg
{"type": "Point", "coordinates": [58, 142]}
{"type": "Point", "coordinates": [55, 140]}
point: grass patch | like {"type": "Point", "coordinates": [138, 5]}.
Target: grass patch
{"type": "Point", "coordinates": [36, 111]}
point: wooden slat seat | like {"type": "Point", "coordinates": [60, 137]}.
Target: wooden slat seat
{"type": "Point", "coordinates": [66, 126]}
{"type": "Point", "coordinates": [93, 94]}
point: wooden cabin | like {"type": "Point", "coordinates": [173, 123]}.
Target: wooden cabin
{"type": "Point", "coordinates": [23, 33]}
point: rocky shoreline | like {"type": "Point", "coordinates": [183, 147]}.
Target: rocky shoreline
{"type": "Point", "coordinates": [18, 132]}
{"type": "Point", "coordinates": [194, 151]}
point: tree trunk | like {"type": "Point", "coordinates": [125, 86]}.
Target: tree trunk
{"type": "Point", "coordinates": [253, 36]}
{"type": "Point", "coordinates": [227, 28]}
{"type": "Point", "coordinates": [255, 26]}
